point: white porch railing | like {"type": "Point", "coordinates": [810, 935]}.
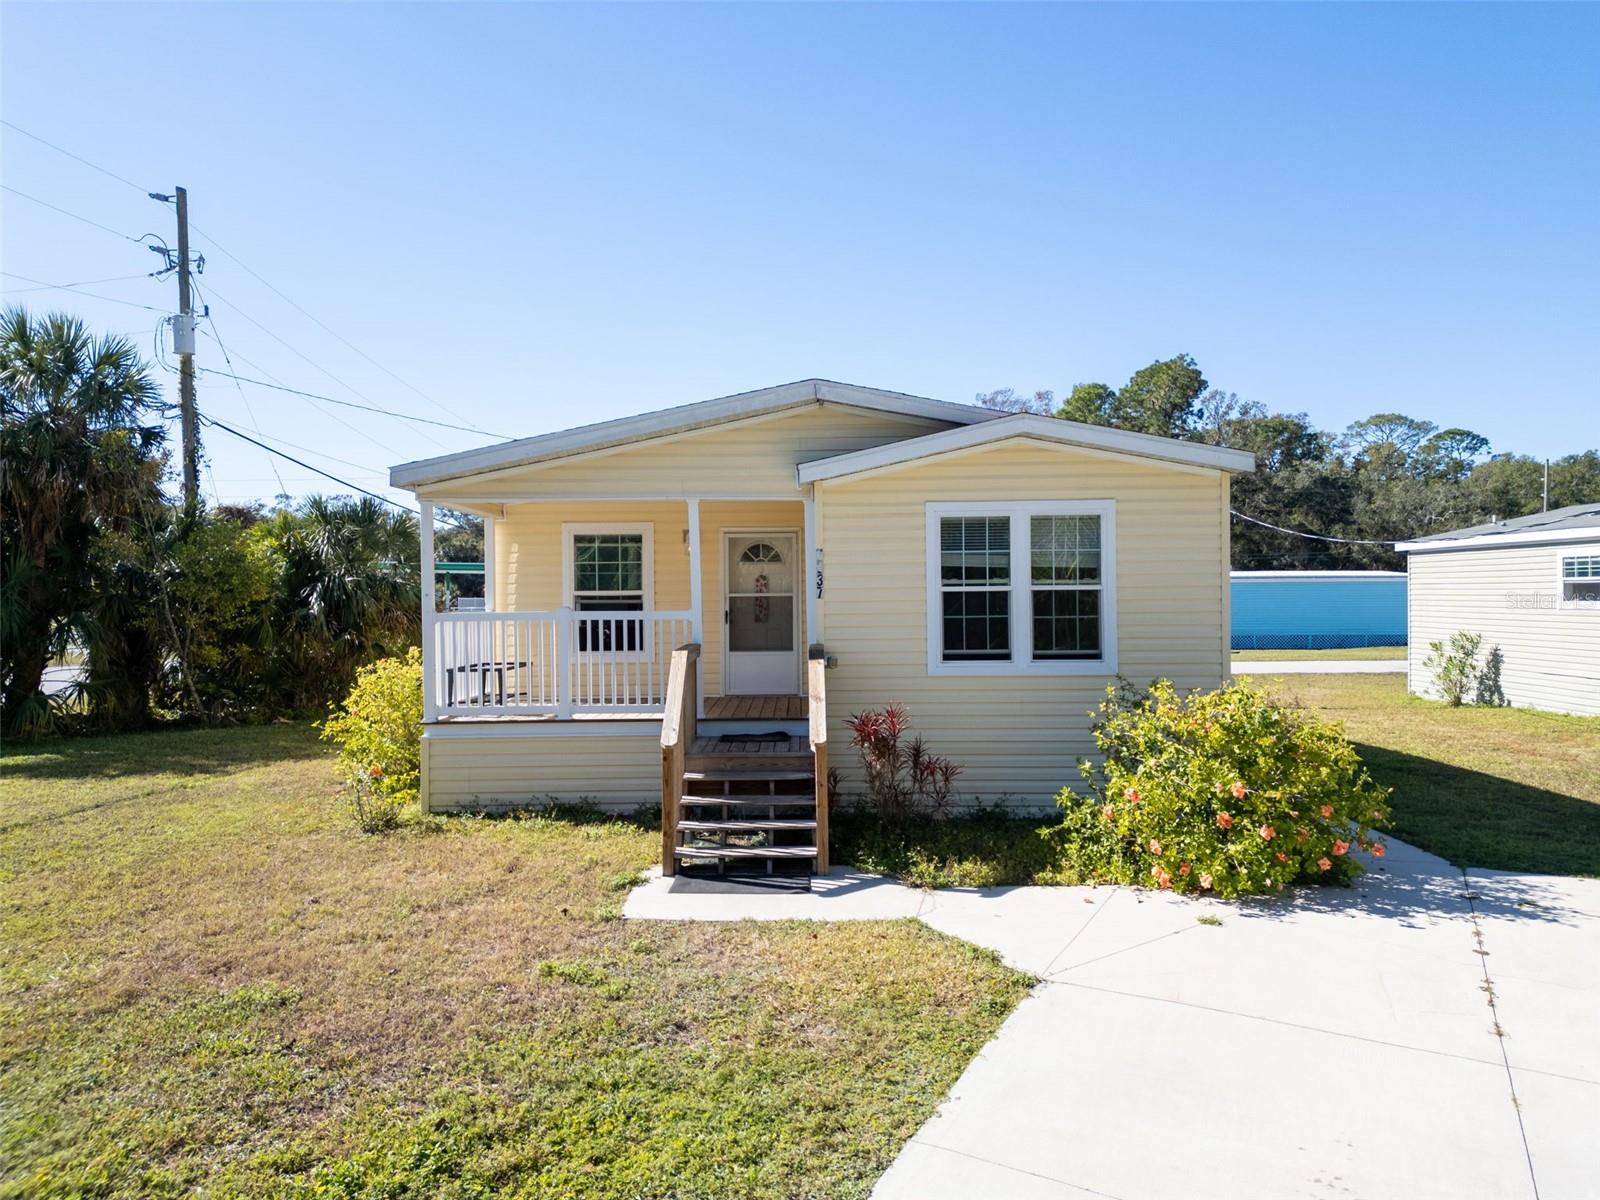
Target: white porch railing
{"type": "Point", "coordinates": [561, 663]}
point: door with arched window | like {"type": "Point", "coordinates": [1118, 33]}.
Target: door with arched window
{"type": "Point", "coordinates": [761, 631]}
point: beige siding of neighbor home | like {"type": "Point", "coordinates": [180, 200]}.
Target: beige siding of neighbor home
{"type": "Point", "coordinates": [1017, 736]}
{"type": "Point", "coordinates": [1510, 595]}
{"type": "Point", "coordinates": [528, 555]}
{"type": "Point", "coordinates": [753, 457]}
{"type": "Point", "coordinates": [495, 772]}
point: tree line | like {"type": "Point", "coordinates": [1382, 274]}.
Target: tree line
{"type": "Point", "coordinates": [167, 612]}
{"type": "Point", "coordinates": [1383, 479]}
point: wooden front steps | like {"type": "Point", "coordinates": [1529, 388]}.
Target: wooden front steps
{"type": "Point", "coordinates": [737, 798]}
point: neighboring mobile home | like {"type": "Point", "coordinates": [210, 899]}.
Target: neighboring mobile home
{"type": "Point", "coordinates": [666, 589]}
{"type": "Point", "coordinates": [1531, 587]}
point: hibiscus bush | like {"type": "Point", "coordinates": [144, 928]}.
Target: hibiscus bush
{"type": "Point", "coordinates": [1227, 792]}
{"type": "Point", "coordinates": [378, 730]}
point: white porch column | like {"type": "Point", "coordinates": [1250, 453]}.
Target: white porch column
{"type": "Point", "coordinates": [488, 563]}
{"type": "Point", "coordinates": [811, 575]}
{"type": "Point", "coordinates": [696, 601]}
{"type": "Point", "coordinates": [430, 705]}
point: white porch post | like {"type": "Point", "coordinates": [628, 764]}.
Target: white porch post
{"type": "Point", "coordinates": [488, 563]}
{"type": "Point", "coordinates": [696, 601]}
{"type": "Point", "coordinates": [430, 703]}
{"type": "Point", "coordinates": [811, 575]}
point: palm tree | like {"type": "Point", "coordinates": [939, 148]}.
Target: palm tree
{"type": "Point", "coordinates": [78, 459]}
{"type": "Point", "coordinates": [349, 592]}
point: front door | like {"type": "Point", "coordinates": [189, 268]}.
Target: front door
{"type": "Point", "coordinates": [761, 654]}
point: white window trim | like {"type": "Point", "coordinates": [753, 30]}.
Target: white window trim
{"type": "Point", "coordinates": [1562, 554]}
{"type": "Point", "coordinates": [1022, 661]}
{"type": "Point", "coordinates": [648, 551]}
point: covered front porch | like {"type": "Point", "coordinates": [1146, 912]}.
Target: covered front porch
{"type": "Point", "coordinates": [585, 601]}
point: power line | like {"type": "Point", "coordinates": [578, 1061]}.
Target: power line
{"type": "Point", "coordinates": [467, 427]}
{"type": "Point", "coordinates": [330, 331]}
{"type": "Point", "coordinates": [1314, 536]}
{"type": "Point", "coordinates": [45, 287]}
{"type": "Point", "coordinates": [70, 154]}
{"type": "Point", "coordinates": [344, 462]}
{"type": "Point", "coordinates": [209, 420]}
{"type": "Point", "coordinates": [346, 403]}
{"type": "Point", "coordinates": [76, 290]}
{"type": "Point", "coordinates": [245, 400]}
{"type": "Point", "coordinates": [341, 482]}
{"type": "Point", "coordinates": [137, 241]}
{"type": "Point", "coordinates": [300, 354]}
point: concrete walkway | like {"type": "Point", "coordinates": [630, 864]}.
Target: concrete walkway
{"type": "Point", "coordinates": [1327, 1043]}
{"type": "Point", "coordinates": [1312, 666]}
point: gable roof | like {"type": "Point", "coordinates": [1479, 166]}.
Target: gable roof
{"type": "Point", "coordinates": [1036, 428]}
{"type": "Point", "coordinates": [1575, 522]}
{"type": "Point", "coordinates": [604, 434]}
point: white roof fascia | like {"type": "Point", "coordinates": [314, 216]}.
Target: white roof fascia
{"type": "Point", "coordinates": [684, 418]}
{"type": "Point", "coordinates": [1487, 541]}
{"type": "Point", "coordinates": [1028, 425]}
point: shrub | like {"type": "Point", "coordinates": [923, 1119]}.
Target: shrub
{"type": "Point", "coordinates": [1226, 791]}
{"type": "Point", "coordinates": [903, 781]}
{"type": "Point", "coordinates": [379, 734]}
{"type": "Point", "coordinates": [1454, 665]}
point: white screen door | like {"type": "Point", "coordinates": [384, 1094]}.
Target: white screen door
{"type": "Point", "coordinates": [761, 654]}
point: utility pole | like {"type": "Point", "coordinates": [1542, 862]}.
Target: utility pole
{"type": "Point", "coordinates": [1547, 485]}
{"type": "Point", "coordinates": [184, 342]}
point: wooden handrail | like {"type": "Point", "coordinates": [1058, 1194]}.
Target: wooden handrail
{"type": "Point", "coordinates": [817, 700]}
{"type": "Point", "coordinates": [677, 732]}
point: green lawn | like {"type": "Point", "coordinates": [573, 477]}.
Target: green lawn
{"type": "Point", "coordinates": [1483, 787]}
{"type": "Point", "coordinates": [1503, 788]}
{"type": "Point", "coordinates": [212, 985]}
{"type": "Point", "coordinates": [1364, 653]}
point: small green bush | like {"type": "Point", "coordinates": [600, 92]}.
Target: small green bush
{"type": "Point", "coordinates": [1226, 792]}
{"type": "Point", "coordinates": [379, 734]}
{"type": "Point", "coordinates": [1454, 665]}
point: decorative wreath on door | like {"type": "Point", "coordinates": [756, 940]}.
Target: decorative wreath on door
{"type": "Point", "coordinates": [761, 552]}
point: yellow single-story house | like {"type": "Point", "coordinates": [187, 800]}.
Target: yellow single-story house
{"type": "Point", "coordinates": [685, 607]}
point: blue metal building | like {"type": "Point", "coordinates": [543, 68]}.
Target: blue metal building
{"type": "Point", "coordinates": [1317, 610]}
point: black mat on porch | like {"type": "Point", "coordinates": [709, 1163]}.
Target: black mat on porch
{"type": "Point", "coordinates": [734, 885]}
{"type": "Point", "coordinates": [777, 735]}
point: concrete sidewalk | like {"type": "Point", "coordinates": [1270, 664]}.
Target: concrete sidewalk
{"type": "Point", "coordinates": [1312, 666]}
{"type": "Point", "coordinates": [1327, 1042]}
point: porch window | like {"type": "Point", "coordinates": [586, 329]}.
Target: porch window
{"type": "Point", "coordinates": [608, 571]}
{"type": "Point", "coordinates": [1021, 588]}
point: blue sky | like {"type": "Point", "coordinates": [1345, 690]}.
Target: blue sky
{"type": "Point", "coordinates": [545, 215]}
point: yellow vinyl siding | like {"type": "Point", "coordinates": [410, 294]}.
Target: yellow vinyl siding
{"type": "Point", "coordinates": [528, 553]}
{"type": "Point", "coordinates": [1017, 736]}
{"type": "Point", "coordinates": [493, 772]}
{"type": "Point", "coordinates": [755, 457]}
{"type": "Point", "coordinates": [1550, 655]}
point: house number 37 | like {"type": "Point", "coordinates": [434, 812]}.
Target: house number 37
{"type": "Point", "coordinates": [819, 573]}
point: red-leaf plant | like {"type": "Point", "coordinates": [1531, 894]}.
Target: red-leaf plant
{"type": "Point", "coordinates": [903, 781]}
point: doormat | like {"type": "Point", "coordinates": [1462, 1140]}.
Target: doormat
{"type": "Point", "coordinates": [739, 885]}
{"type": "Point", "coordinates": [777, 735]}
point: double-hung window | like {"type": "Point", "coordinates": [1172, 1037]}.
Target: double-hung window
{"type": "Point", "coordinates": [1580, 579]}
{"type": "Point", "coordinates": [1021, 588]}
{"type": "Point", "coordinates": [607, 569]}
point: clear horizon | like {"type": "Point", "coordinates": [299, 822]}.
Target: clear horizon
{"type": "Point", "coordinates": [545, 216]}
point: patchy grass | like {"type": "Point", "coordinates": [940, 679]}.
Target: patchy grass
{"type": "Point", "coordinates": [1503, 788]}
{"type": "Point", "coordinates": [213, 984]}
{"type": "Point", "coordinates": [1364, 653]}
{"type": "Point", "coordinates": [984, 849]}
